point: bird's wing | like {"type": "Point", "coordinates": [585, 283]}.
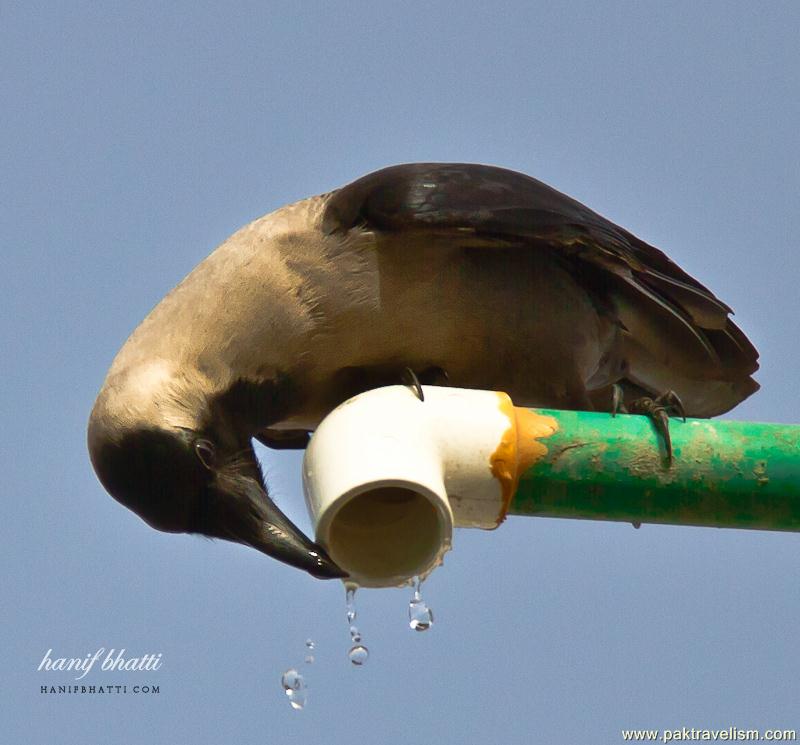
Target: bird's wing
{"type": "Point", "coordinates": [671, 321]}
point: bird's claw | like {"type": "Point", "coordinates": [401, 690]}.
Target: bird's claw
{"type": "Point", "coordinates": [658, 410]}
{"type": "Point", "coordinates": [672, 403]}
{"type": "Point", "coordinates": [617, 400]}
{"type": "Point", "coordinates": [412, 381]}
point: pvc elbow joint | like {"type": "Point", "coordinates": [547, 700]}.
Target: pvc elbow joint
{"type": "Point", "coordinates": [387, 477]}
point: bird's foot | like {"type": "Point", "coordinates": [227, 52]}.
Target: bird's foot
{"type": "Point", "coordinates": [659, 409]}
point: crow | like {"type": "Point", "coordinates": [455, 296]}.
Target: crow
{"type": "Point", "coordinates": [469, 275]}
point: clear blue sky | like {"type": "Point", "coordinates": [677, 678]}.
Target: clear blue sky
{"type": "Point", "coordinates": [138, 136]}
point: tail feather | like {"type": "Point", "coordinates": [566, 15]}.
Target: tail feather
{"type": "Point", "coordinates": [676, 334]}
{"type": "Point", "coordinates": [704, 309]}
{"type": "Point", "coordinates": [701, 397]}
{"type": "Point", "coordinates": [660, 355]}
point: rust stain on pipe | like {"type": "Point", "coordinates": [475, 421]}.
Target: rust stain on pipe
{"type": "Point", "coordinates": [519, 447]}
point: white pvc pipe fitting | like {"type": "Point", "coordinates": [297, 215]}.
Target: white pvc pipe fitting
{"type": "Point", "coordinates": [387, 477]}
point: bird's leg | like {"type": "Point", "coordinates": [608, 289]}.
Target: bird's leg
{"type": "Point", "coordinates": [617, 400]}
{"type": "Point", "coordinates": [658, 409]}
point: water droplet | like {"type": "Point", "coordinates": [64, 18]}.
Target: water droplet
{"type": "Point", "coordinates": [350, 602]}
{"type": "Point", "coordinates": [310, 645]}
{"type": "Point", "coordinates": [420, 616]}
{"type": "Point", "coordinates": [294, 686]}
{"type": "Point", "coordinates": [358, 654]}
{"type": "Point", "coordinates": [636, 524]}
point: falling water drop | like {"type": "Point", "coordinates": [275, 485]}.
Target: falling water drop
{"type": "Point", "coordinates": [350, 601]}
{"type": "Point", "coordinates": [294, 686]}
{"type": "Point", "coordinates": [358, 653]}
{"type": "Point", "coordinates": [310, 649]}
{"type": "Point", "coordinates": [420, 616]}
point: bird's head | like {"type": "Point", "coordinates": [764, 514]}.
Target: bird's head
{"type": "Point", "coordinates": [183, 468]}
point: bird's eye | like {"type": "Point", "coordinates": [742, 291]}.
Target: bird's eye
{"type": "Point", "coordinates": [206, 452]}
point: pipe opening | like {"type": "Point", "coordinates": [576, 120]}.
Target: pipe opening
{"type": "Point", "coordinates": [387, 534]}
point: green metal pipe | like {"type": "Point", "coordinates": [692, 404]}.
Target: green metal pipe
{"type": "Point", "coordinates": [724, 474]}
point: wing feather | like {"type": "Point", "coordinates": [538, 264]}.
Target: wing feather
{"type": "Point", "coordinates": [670, 318]}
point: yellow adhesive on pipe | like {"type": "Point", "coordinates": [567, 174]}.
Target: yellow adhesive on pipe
{"type": "Point", "coordinates": [519, 447]}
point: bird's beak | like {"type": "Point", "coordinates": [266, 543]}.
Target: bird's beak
{"type": "Point", "coordinates": [245, 513]}
{"type": "Point", "coordinates": [281, 539]}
